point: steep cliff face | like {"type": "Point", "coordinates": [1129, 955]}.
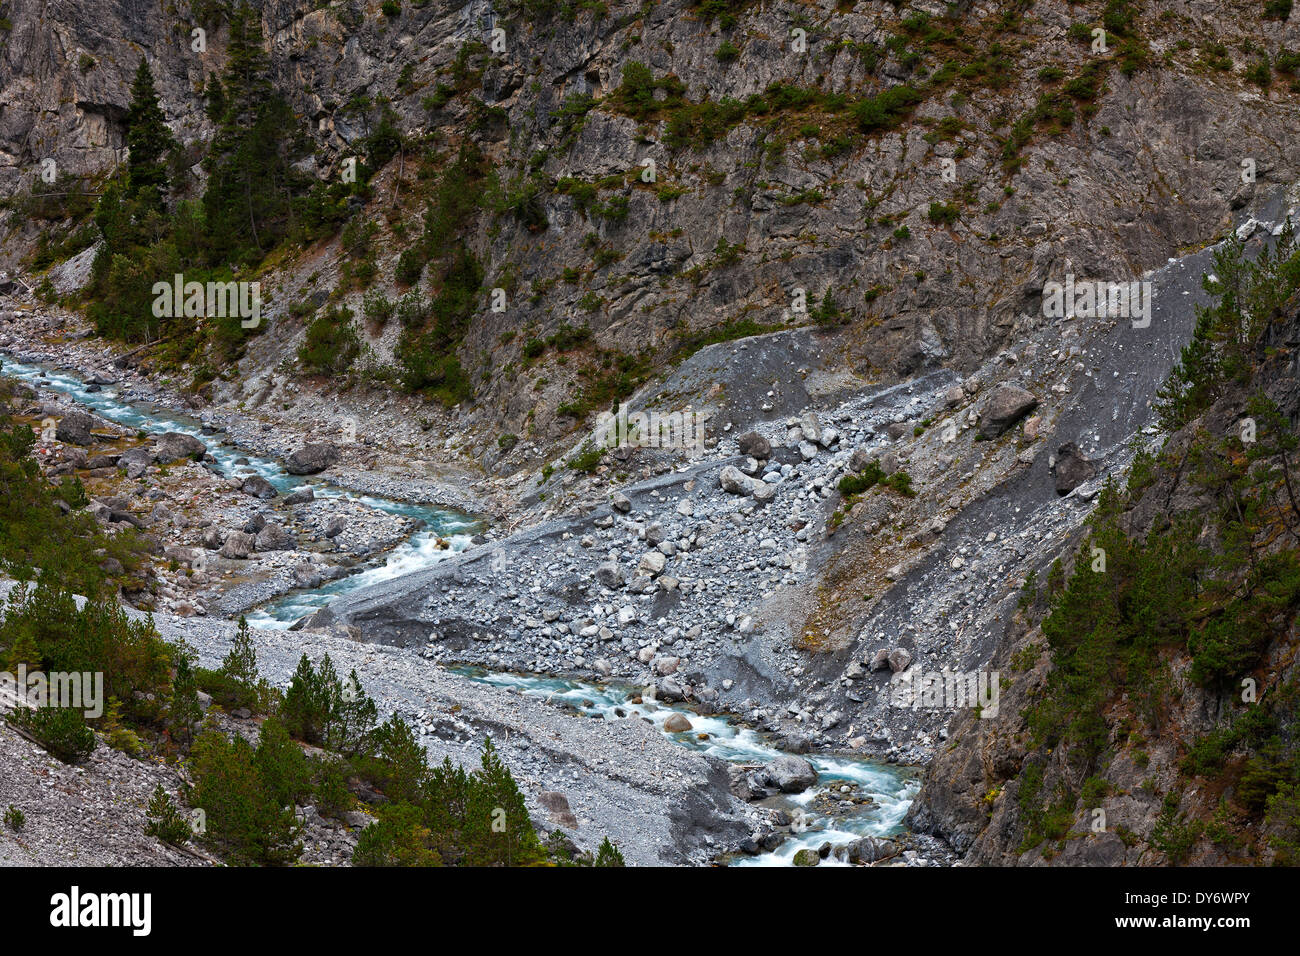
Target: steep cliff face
{"type": "Point", "coordinates": [1159, 725]}
{"type": "Point", "coordinates": [784, 169]}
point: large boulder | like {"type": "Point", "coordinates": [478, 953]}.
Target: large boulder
{"type": "Point", "coordinates": [859, 460]}
{"type": "Point", "coordinates": [790, 774]}
{"type": "Point", "coordinates": [274, 538]}
{"type": "Point", "coordinates": [311, 458]}
{"type": "Point", "coordinates": [610, 575]}
{"type": "Point", "coordinates": [258, 487]}
{"type": "Point", "coordinates": [734, 480]}
{"type": "Point", "coordinates": [755, 446]}
{"type": "Point", "coordinates": [677, 724]}
{"type": "Point", "coordinates": [746, 785]}
{"type": "Point", "coordinates": [72, 275]}
{"type": "Point", "coordinates": [174, 445]}
{"type": "Point", "coordinates": [652, 563]}
{"type": "Point", "coordinates": [812, 427]}
{"type": "Point", "coordinates": [1005, 406]}
{"type": "Point", "coordinates": [557, 808]}
{"type": "Point", "coordinates": [300, 497]}
{"type": "Point", "coordinates": [669, 689]}
{"type": "Point", "coordinates": [1072, 468]}
{"type": "Point", "coordinates": [74, 458]}
{"type": "Point", "coordinates": [307, 576]}
{"type": "Point", "coordinates": [237, 545]}
{"type": "Point", "coordinates": [135, 461]}
{"type": "Point", "coordinates": [870, 849]}
{"type": "Point", "coordinates": [74, 427]}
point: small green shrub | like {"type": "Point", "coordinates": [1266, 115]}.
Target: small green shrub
{"type": "Point", "coordinates": [943, 214]}
{"type": "Point", "coordinates": [166, 822]}
{"type": "Point", "coordinates": [61, 730]}
{"type": "Point", "coordinates": [863, 481]}
{"type": "Point", "coordinates": [588, 458]}
{"type": "Point", "coordinates": [331, 345]}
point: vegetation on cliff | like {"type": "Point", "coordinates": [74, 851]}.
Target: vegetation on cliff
{"type": "Point", "coordinates": [1199, 609]}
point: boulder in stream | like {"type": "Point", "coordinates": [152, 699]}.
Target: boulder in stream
{"type": "Point", "coordinates": [790, 774]}
{"type": "Point", "coordinates": [258, 487]}
{"type": "Point", "coordinates": [677, 723]}
{"type": "Point", "coordinates": [311, 458]}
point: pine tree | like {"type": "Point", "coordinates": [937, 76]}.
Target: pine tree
{"type": "Point", "coordinates": [244, 816]}
{"type": "Point", "coordinates": [399, 838]}
{"type": "Point", "coordinates": [286, 775]}
{"type": "Point", "coordinates": [214, 94]}
{"type": "Point", "coordinates": [23, 653]}
{"type": "Point", "coordinates": [354, 719]}
{"type": "Point", "coordinates": [1276, 442]}
{"type": "Point", "coordinates": [240, 665]}
{"type": "Point", "coordinates": [149, 141]}
{"type": "Point", "coordinates": [166, 822]}
{"type": "Point", "coordinates": [301, 711]}
{"type": "Point", "coordinates": [607, 854]}
{"type": "Point", "coordinates": [446, 809]}
{"type": "Point", "coordinates": [402, 764]}
{"type": "Point", "coordinates": [327, 698]}
{"type": "Point", "coordinates": [498, 829]}
{"type": "Point", "coordinates": [185, 711]}
{"type": "Point", "coordinates": [247, 201]}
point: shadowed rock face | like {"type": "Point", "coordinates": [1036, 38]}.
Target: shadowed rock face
{"type": "Point", "coordinates": [950, 294]}
{"type": "Point", "coordinates": [1072, 468]}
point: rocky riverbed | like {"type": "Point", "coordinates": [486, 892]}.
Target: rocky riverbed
{"type": "Point", "coordinates": [182, 458]}
{"type": "Point", "coordinates": [802, 572]}
{"type": "Point", "coordinates": [223, 535]}
{"type": "Point", "coordinates": [622, 778]}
